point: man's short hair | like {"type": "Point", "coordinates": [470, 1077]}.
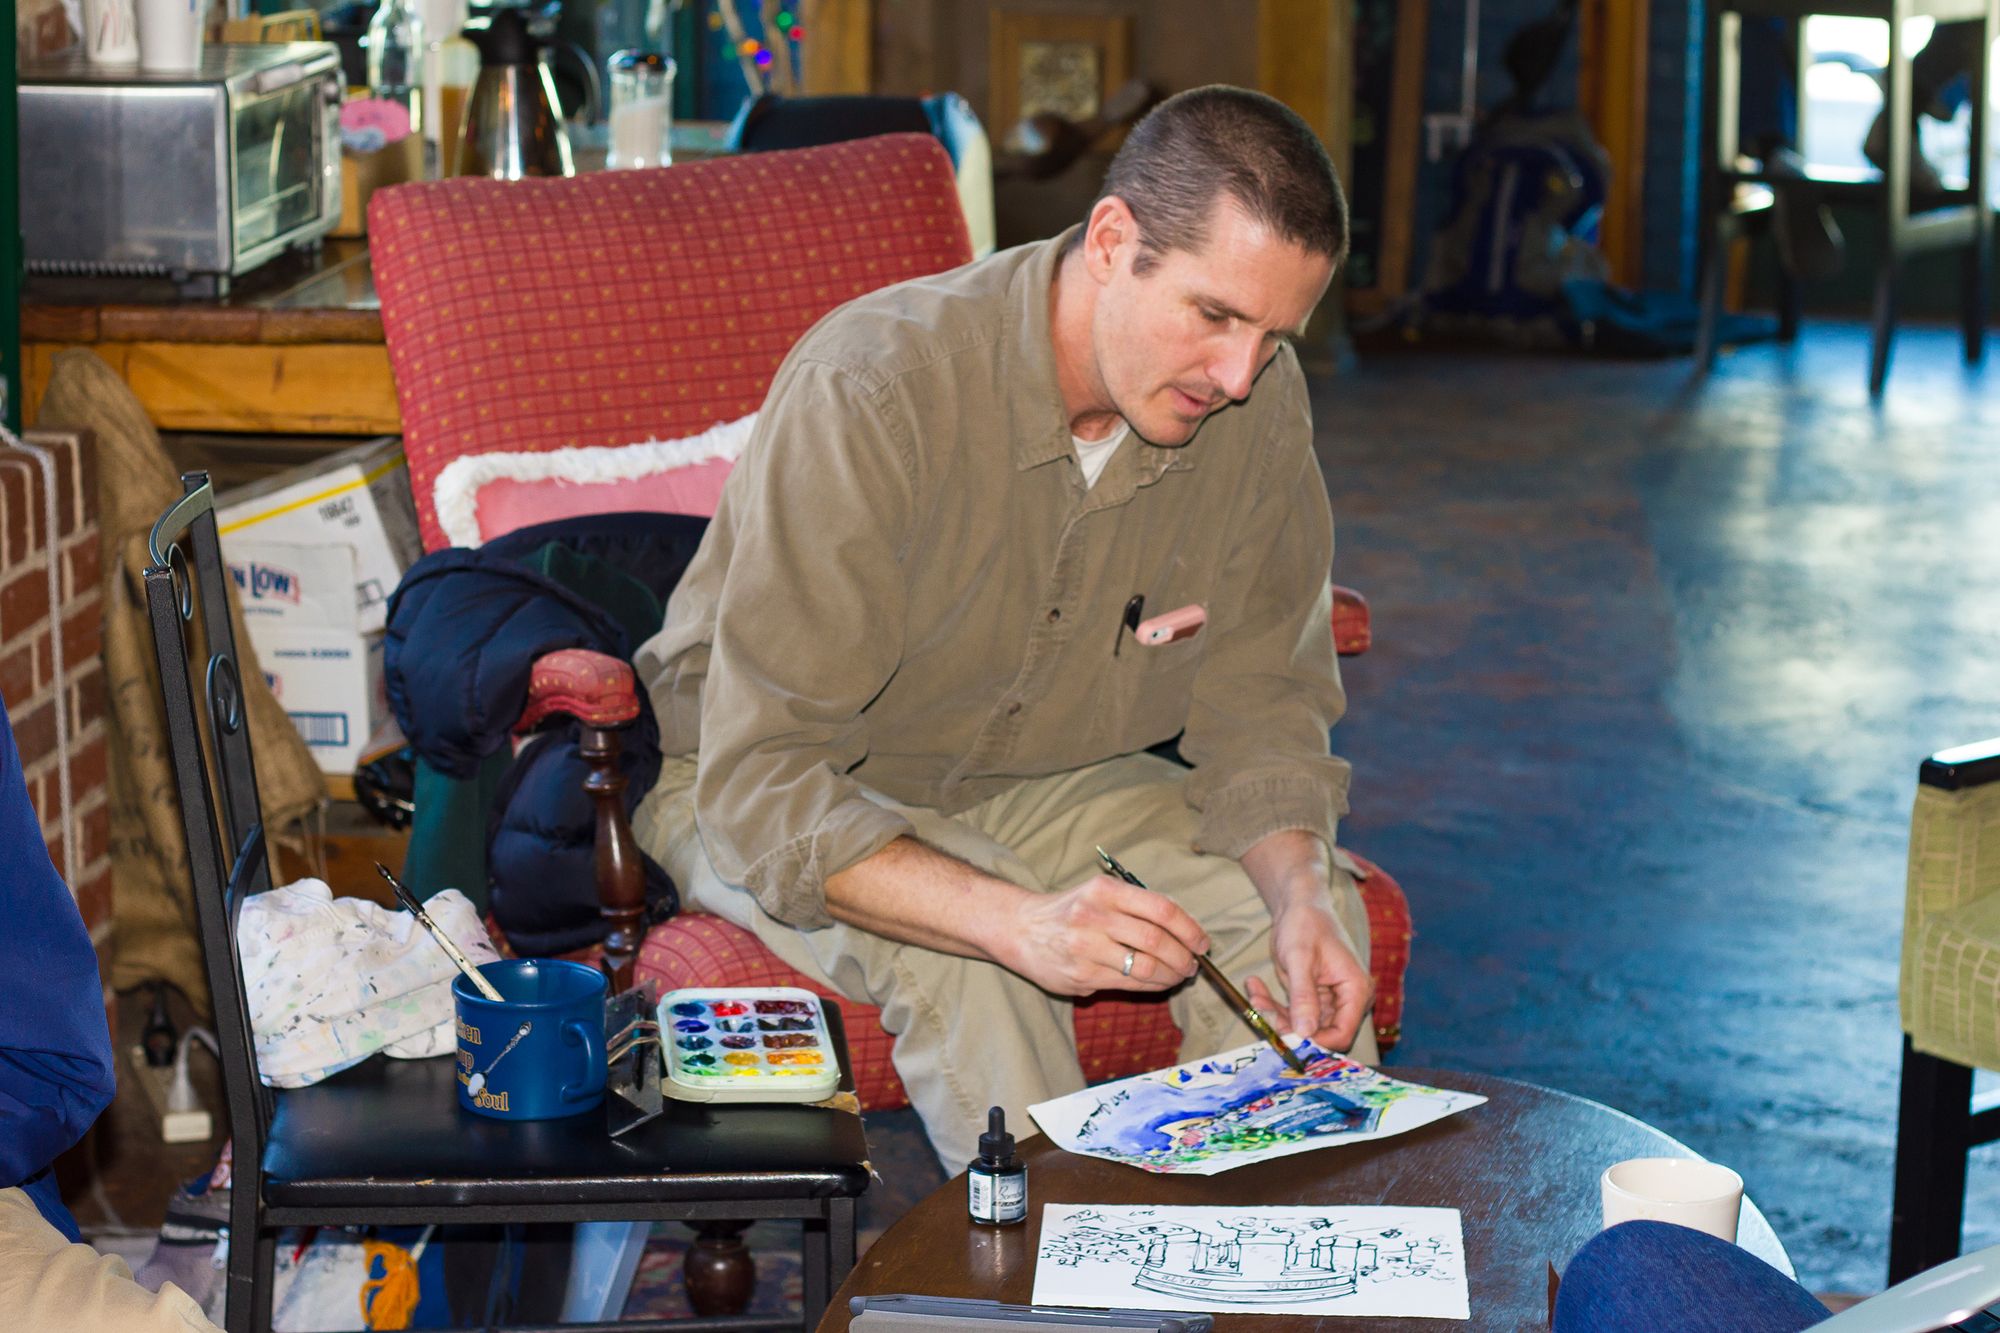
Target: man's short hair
{"type": "Point", "coordinates": [1208, 142]}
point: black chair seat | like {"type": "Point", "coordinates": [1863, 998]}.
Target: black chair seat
{"type": "Point", "coordinates": [391, 1133]}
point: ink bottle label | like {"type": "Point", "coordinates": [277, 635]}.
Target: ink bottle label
{"type": "Point", "coordinates": [998, 1197]}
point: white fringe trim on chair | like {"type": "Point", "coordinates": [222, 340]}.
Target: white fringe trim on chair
{"type": "Point", "coordinates": [456, 491]}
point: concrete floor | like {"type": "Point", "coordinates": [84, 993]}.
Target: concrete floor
{"type": "Point", "coordinates": [1656, 663]}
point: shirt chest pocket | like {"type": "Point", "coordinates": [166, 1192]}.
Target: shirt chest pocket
{"type": "Point", "coordinates": [1144, 693]}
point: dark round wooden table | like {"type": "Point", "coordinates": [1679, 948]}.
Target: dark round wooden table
{"type": "Point", "coordinates": [1522, 1170]}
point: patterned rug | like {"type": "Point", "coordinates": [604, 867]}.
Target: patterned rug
{"type": "Point", "coordinates": [906, 1170]}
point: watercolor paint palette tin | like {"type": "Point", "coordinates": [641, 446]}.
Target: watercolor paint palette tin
{"type": "Point", "coordinates": [748, 1044]}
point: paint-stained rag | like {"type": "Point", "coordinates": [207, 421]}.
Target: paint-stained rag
{"type": "Point", "coordinates": [331, 981]}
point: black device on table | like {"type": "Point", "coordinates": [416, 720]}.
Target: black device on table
{"type": "Point", "coordinates": [940, 1314]}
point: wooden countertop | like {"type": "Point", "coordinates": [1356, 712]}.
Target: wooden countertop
{"type": "Point", "coordinates": [302, 297]}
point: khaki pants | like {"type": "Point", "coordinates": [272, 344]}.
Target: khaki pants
{"type": "Point", "coordinates": [50, 1285]}
{"type": "Point", "coordinates": [971, 1034]}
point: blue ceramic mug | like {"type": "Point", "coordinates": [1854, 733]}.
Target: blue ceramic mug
{"type": "Point", "coordinates": [538, 1052]}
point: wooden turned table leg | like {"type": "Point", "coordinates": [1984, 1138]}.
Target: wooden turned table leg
{"type": "Point", "coordinates": [719, 1271]}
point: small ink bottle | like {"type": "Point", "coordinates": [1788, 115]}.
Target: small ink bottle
{"type": "Point", "coordinates": [996, 1182]}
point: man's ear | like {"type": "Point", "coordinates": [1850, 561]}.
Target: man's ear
{"type": "Point", "coordinates": [1110, 238]}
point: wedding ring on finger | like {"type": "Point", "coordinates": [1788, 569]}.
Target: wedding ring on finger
{"type": "Point", "coordinates": [1131, 955]}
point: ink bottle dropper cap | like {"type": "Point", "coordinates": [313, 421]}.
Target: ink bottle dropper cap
{"type": "Point", "coordinates": [996, 1145]}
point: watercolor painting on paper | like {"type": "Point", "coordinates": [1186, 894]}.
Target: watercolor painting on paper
{"type": "Point", "coordinates": [1239, 1107]}
{"type": "Point", "coordinates": [1377, 1261]}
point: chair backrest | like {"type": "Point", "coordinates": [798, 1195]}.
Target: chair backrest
{"type": "Point", "coordinates": [769, 123]}
{"type": "Point", "coordinates": [188, 609]}
{"type": "Point", "coordinates": [619, 306]}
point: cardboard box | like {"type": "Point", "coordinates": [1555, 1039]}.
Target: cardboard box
{"type": "Point", "coordinates": [330, 682]}
{"type": "Point", "coordinates": [359, 497]}
{"type": "Point", "coordinates": [291, 585]}
{"type": "Point", "coordinates": [298, 604]}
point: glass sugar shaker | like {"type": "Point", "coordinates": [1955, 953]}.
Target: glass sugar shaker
{"type": "Point", "coordinates": [642, 117]}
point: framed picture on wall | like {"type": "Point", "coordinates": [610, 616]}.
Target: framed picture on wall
{"type": "Point", "coordinates": [1061, 64]}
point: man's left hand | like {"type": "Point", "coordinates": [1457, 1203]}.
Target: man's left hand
{"type": "Point", "coordinates": [1329, 989]}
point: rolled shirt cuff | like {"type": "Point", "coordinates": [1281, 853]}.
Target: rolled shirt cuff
{"type": "Point", "coordinates": [1238, 815]}
{"type": "Point", "coordinates": [789, 882]}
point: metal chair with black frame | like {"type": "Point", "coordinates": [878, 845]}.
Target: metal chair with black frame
{"type": "Point", "coordinates": [1735, 190]}
{"type": "Point", "coordinates": [386, 1142]}
{"type": "Point", "coordinates": [1949, 993]}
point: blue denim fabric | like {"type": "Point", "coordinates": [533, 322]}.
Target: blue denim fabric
{"type": "Point", "coordinates": [1646, 1277]}
{"type": "Point", "coordinates": [55, 1046]}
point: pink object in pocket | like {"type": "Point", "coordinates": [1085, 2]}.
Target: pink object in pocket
{"type": "Point", "coordinates": [1181, 623]}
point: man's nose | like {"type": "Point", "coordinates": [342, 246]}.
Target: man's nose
{"type": "Point", "coordinates": [1236, 369]}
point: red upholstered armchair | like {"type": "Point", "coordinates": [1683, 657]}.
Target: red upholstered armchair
{"type": "Point", "coordinates": [543, 314]}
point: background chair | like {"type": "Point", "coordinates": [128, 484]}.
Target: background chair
{"type": "Point", "coordinates": [1734, 191]}
{"type": "Point", "coordinates": [386, 1142]}
{"type": "Point", "coordinates": [1950, 992]}
{"type": "Point", "coordinates": [768, 123]}
{"type": "Point", "coordinates": [657, 304]}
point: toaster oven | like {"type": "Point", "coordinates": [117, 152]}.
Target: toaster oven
{"type": "Point", "coordinates": [196, 177]}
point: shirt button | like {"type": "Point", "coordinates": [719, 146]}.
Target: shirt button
{"type": "Point", "coordinates": [1055, 614]}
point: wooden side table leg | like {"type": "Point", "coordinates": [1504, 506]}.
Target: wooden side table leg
{"type": "Point", "coordinates": [719, 1271]}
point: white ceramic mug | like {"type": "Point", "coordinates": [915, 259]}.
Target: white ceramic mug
{"type": "Point", "coordinates": [1686, 1191]}
{"type": "Point", "coordinates": [170, 33]}
{"type": "Point", "coordinates": [110, 32]}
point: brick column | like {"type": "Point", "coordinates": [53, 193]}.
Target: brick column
{"type": "Point", "coordinates": [28, 679]}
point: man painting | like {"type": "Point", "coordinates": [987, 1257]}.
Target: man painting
{"type": "Point", "coordinates": [902, 686]}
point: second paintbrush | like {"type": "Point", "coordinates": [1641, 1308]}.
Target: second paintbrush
{"type": "Point", "coordinates": [457, 955]}
{"type": "Point", "coordinates": [1258, 1023]}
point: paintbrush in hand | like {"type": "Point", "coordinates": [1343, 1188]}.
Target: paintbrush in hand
{"type": "Point", "coordinates": [1258, 1023]}
{"type": "Point", "coordinates": [416, 909]}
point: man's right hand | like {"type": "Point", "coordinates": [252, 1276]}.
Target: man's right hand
{"type": "Point", "coordinates": [1076, 942]}
{"type": "Point", "coordinates": [1068, 943]}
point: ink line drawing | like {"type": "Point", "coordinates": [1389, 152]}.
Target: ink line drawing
{"type": "Point", "coordinates": [1363, 1260]}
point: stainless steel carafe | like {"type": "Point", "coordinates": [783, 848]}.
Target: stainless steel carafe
{"type": "Point", "coordinates": [513, 122]}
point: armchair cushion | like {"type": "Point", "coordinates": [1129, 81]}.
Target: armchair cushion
{"type": "Point", "coordinates": [482, 496]}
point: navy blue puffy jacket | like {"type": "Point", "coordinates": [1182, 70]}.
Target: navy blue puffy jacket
{"type": "Point", "coordinates": [465, 629]}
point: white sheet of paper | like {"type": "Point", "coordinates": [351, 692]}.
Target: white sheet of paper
{"type": "Point", "coordinates": [1375, 1260]}
{"type": "Point", "coordinates": [1239, 1107]}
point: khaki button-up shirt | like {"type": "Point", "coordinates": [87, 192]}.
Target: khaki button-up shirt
{"type": "Point", "coordinates": [907, 589]}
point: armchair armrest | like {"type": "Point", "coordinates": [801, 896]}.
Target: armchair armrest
{"type": "Point", "coordinates": [1962, 766]}
{"type": "Point", "coordinates": [602, 693]}
{"type": "Point", "coordinates": [1351, 632]}
{"type": "Point", "coordinates": [596, 689]}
